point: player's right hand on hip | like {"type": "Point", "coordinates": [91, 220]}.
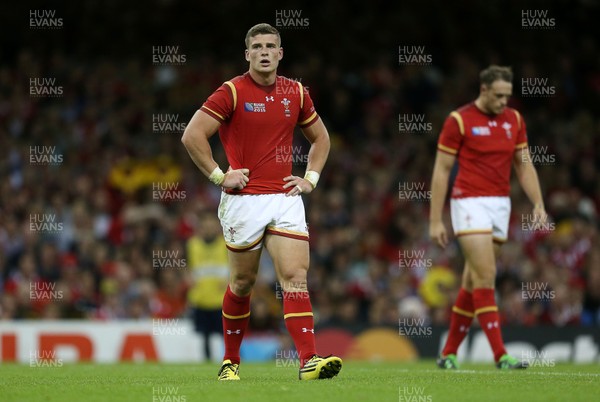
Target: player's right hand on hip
{"type": "Point", "coordinates": [236, 179]}
{"type": "Point", "coordinates": [437, 233]}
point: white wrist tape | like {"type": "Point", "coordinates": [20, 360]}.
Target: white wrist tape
{"type": "Point", "coordinates": [217, 176]}
{"type": "Point", "coordinates": [312, 177]}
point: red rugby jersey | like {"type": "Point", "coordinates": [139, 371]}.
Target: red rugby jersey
{"type": "Point", "coordinates": [484, 145]}
{"type": "Point", "coordinates": [257, 128]}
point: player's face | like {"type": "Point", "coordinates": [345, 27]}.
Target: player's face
{"type": "Point", "coordinates": [264, 53]}
{"type": "Point", "coordinates": [495, 97]}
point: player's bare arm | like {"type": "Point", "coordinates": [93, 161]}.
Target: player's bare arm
{"type": "Point", "coordinates": [528, 178]}
{"type": "Point", "coordinates": [439, 188]}
{"type": "Point", "coordinates": [318, 136]}
{"type": "Point", "coordinates": [195, 139]}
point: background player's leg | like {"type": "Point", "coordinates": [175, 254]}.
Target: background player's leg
{"type": "Point", "coordinates": [462, 314]}
{"type": "Point", "coordinates": [236, 302]}
{"type": "Point", "coordinates": [479, 253]}
{"type": "Point", "coordinates": [291, 260]}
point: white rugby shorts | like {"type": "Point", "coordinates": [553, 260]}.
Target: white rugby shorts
{"type": "Point", "coordinates": [481, 215]}
{"type": "Point", "coordinates": [247, 218]}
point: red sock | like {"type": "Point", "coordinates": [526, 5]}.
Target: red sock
{"type": "Point", "coordinates": [297, 312]}
{"type": "Point", "coordinates": [460, 322]}
{"type": "Point", "coordinates": [236, 314]}
{"type": "Point", "coordinates": [487, 314]}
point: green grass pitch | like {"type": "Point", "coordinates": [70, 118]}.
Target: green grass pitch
{"type": "Point", "coordinates": [358, 381]}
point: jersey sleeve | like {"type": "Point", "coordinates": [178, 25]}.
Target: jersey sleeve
{"type": "Point", "coordinates": [219, 105]}
{"type": "Point", "coordinates": [308, 115]}
{"type": "Point", "coordinates": [451, 138]}
{"type": "Point", "coordinates": [522, 133]}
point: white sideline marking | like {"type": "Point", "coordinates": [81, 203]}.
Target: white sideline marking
{"type": "Point", "coordinates": [526, 371]}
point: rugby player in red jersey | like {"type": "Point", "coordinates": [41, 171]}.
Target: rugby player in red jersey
{"type": "Point", "coordinates": [487, 138]}
{"type": "Point", "coordinates": [255, 114]}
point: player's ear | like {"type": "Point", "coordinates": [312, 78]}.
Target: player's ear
{"type": "Point", "coordinates": [247, 55]}
{"type": "Point", "coordinates": [280, 54]}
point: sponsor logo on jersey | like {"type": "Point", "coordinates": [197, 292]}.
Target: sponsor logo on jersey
{"type": "Point", "coordinates": [481, 131]}
{"type": "Point", "coordinates": [255, 107]}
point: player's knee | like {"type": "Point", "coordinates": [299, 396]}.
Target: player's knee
{"type": "Point", "coordinates": [294, 281]}
{"type": "Point", "coordinates": [242, 285]}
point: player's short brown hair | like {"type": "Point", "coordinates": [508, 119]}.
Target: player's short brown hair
{"type": "Point", "coordinates": [495, 73]}
{"type": "Point", "coordinates": [261, 29]}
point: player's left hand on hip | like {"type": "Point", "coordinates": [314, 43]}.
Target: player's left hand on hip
{"type": "Point", "coordinates": [297, 185]}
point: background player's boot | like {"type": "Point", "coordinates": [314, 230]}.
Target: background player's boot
{"type": "Point", "coordinates": [447, 362]}
{"type": "Point", "coordinates": [318, 368]}
{"type": "Point", "coordinates": [507, 362]}
{"type": "Point", "coordinates": [229, 371]}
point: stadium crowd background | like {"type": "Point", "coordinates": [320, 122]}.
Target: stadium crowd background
{"type": "Point", "coordinates": [101, 259]}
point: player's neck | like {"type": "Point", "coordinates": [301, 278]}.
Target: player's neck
{"type": "Point", "coordinates": [263, 79]}
{"type": "Point", "coordinates": [479, 105]}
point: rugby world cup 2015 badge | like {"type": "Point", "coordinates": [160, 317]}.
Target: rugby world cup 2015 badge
{"type": "Point", "coordinates": [481, 131]}
{"type": "Point", "coordinates": [255, 107]}
{"type": "Point", "coordinates": [286, 104]}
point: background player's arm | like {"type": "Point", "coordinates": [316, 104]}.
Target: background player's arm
{"type": "Point", "coordinates": [439, 188]}
{"type": "Point", "coordinates": [195, 139]}
{"type": "Point", "coordinates": [528, 178]}
{"type": "Point", "coordinates": [318, 137]}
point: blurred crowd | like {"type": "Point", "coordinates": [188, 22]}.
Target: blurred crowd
{"type": "Point", "coordinates": [371, 259]}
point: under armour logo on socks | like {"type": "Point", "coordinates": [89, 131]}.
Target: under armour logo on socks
{"type": "Point", "coordinates": [308, 330]}
{"type": "Point", "coordinates": [491, 325]}
{"type": "Point", "coordinates": [237, 331]}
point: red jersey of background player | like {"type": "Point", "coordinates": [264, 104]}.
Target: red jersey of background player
{"type": "Point", "coordinates": [485, 145]}
{"type": "Point", "coordinates": [257, 128]}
